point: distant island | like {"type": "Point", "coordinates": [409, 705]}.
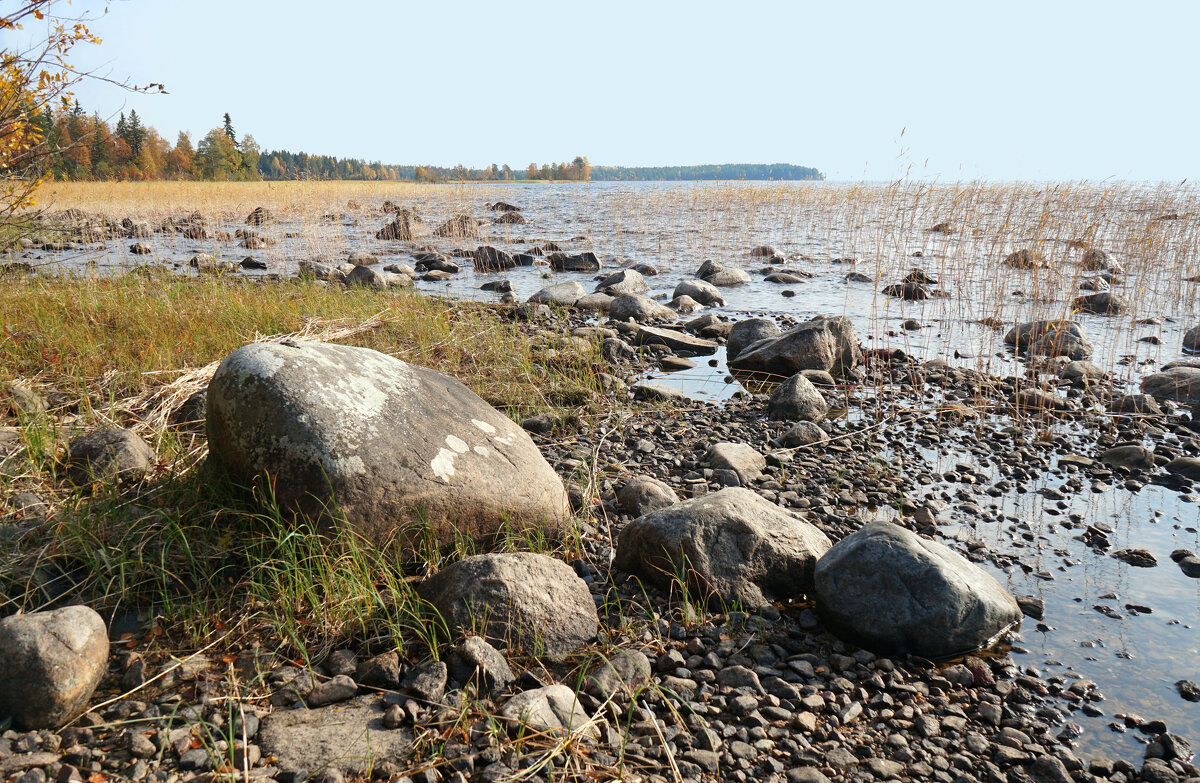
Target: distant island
{"type": "Point", "coordinates": [722, 171]}
{"type": "Point", "coordinates": [83, 147]}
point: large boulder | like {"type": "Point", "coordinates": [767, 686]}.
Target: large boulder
{"type": "Point", "coordinates": [553, 710]}
{"type": "Point", "coordinates": [52, 663]}
{"type": "Point", "coordinates": [530, 602]}
{"type": "Point", "coordinates": [894, 592]}
{"type": "Point", "coordinates": [732, 544]}
{"type": "Point", "coordinates": [1180, 383]}
{"type": "Point", "coordinates": [796, 399]}
{"type": "Point", "coordinates": [822, 343]}
{"type": "Point", "coordinates": [748, 332]}
{"type": "Point", "coordinates": [1051, 338]}
{"type": "Point", "coordinates": [626, 281]}
{"type": "Point", "coordinates": [396, 447]}
{"type": "Point", "coordinates": [644, 494]}
{"type": "Point", "coordinates": [638, 308]}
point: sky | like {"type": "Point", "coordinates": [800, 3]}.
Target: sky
{"type": "Point", "coordinates": [875, 91]}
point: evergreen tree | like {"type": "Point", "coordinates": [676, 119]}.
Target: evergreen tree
{"type": "Point", "coordinates": [229, 134]}
{"type": "Point", "coordinates": [135, 135]}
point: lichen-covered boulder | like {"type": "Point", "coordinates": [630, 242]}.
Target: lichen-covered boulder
{"type": "Point", "coordinates": [340, 432]}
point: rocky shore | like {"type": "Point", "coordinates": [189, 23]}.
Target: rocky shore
{"type": "Point", "coordinates": [828, 618]}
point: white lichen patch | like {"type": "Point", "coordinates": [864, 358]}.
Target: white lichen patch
{"type": "Point", "coordinates": [481, 450]}
{"type": "Point", "coordinates": [488, 429]}
{"type": "Point", "coordinates": [443, 465]}
{"type": "Point", "coordinates": [458, 444]}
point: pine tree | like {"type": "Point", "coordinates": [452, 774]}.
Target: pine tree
{"type": "Point", "coordinates": [229, 134]}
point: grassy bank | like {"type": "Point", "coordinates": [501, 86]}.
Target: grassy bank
{"type": "Point", "coordinates": [194, 555]}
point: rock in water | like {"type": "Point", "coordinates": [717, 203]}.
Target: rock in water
{"type": "Point", "coordinates": [1178, 384]}
{"type": "Point", "coordinates": [895, 592]}
{"type": "Point", "coordinates": [748, 332]}
{"type": "Point", "coordinates": [822, 343]}
{"type": "Point", "coordinates": [396, 447]}
{"type": "Point", "coordinates": [529, 601]}
{"type": "Point", "coordinates": [52, 662]}
{"type": "Point", "coordinates": [737, 545]}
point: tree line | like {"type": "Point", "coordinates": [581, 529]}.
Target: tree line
{"type": "Point", "coordinates": [83, 147]}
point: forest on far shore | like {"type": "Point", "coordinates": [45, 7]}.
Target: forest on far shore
{"type": "Point", "coordinates": [87, 147]}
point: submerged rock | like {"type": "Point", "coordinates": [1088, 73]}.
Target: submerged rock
{"type": "Point", "coordinates": [895, 592]}
{"type": "Point", "coordinates": [397, 447]}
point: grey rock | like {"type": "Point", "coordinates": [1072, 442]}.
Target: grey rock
{"type": "Point", "coordinates": [748, 332]}
{"type": "Point", "coordinates": [803, 433]}
{"type": "Point", "coordinates": [1188, 467]}
{"type": "Point", "coordinates": [1025, 258]}
{"type": "Point", "coordinates": [736, 544]}
{"type": "Point", "coordinates": [390, 442]}
{"type": "Point", "coordinates": [644, 494]}
{"type": "Point", "coordinates": [722, 276]}
{"type": "Point", "coordinates": [1191, 339]}
{"type": "Point", "coordinates": [822, 343]}
{"type": "Point", "coordinates": [675, 340]}
{"type": "Point", "coordinates": [1082, 372]}
{"type": "Point", "coordinates": [626, 281]}
{"type": "Point", "coordinates": [362, 259]}
{"type": "Point", "coordinates": [348, 737]}
{"type": "Point", "coordinates": [796, 399]}
{"type": "Point", "coordinates": [474, 660]}
{"type": "Point", "coordinates": [638, 308]}
{"type": "Point", "coordinates": [741, 458]}
{"type": "Point", "coordinates": [316, 270]}
{"type": "Point", "coordinates": [1180, 383]}
{"type": "Point", "coordinates": [1101, 303]}
{"type": "Point", "coordinates": [426, 682]}
{"type": "Point", "coordinates": [894, 592]}
{"type": "Point", "coordinates": [367, 276]}
{"type": "Point", "coordinates": [555, 709]}
{"type": "Point", "coordinates": [339, 688]}
{"type": "Point", "coordinates": [53, 662]}
{"type": "Point", "coordinates": [703, 292]}
{"type": "Point", "coordinates": [1051, 338]}
{"type": "Point", "coordinates": [563, 294]}
{"type": "Point", "coordinates": [594, 303]}
{"type": "Point", "coordinates": [108, 454]}
{"type": "Point", "coordinates": [529, 601]}
{"type": "Point", "coordinates": [626, 673]}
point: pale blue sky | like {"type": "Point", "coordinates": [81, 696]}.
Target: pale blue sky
{"type": "Point", "coordinates": [1015, 90]}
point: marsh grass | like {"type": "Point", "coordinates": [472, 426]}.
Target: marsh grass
{"type": "Point", "coordinates": [195, 552]}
